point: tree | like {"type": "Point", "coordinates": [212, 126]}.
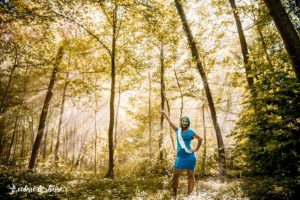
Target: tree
{"type": "Point", "coordinates": [195, 55]}
{"type": "Point", "coordinates": [110, 172]}
{"type": "Point", "coordinates": [163, 99]}
{"type": "Point", "coordinates": [287, 32]}
{"type": "Point", "coordinates": [60, 119]}
{"type": "Point", "coordinates": [244, 45]}
{"type": "Point", "coordinates": [43, 116]}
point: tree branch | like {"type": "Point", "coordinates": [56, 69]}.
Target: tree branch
{"type": "Point", "coordinates": [86, 29]}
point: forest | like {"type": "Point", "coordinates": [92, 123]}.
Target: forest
{"type": "Point", "coordinates": [83, 85]}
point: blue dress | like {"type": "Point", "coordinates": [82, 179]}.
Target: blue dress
{"type": "Point", "coordinates": [185, 160]}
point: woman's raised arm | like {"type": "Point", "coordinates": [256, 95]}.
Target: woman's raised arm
{"type": "Point", "coordinates": [168, 119]}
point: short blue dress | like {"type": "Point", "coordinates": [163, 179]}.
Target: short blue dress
{"type": "Point", "coordinates": [185, 160]}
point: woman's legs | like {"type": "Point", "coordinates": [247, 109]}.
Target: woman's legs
{"type": "Point", "coordinates": [191, 181]}
{"type": "Point", "coordinates": [176, 175]}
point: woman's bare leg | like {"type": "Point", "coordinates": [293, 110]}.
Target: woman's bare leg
{"type": "Point", "coordinates": [176, 175]}
{"type": "Point", "coordinates": [191, 181]}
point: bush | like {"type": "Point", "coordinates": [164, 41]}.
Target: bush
{"type": "Point", "coordinates": [268, 138]}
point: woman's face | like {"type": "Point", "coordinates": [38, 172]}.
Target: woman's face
{"type": "Point", "coordinates": [184, 122]}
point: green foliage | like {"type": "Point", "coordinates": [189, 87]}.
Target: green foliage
{"type": "Point", "coordinates": [85, 185]}
{"type": "Point", "coordinates": [78, 185]}
{"type": "Point", "coordinates": [149, 168]}
{"type": "Point", "coordinates": [270, 188]}
{"type": "Point", "coordinates": [268, 138]}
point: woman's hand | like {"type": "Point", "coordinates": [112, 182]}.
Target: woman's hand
{"type": "Point", "coordinates": [199, 142]}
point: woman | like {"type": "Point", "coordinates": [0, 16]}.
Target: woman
{"type": "Point", "coordinates": [185, 159]}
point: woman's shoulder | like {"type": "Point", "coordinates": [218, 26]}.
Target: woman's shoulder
{"type": "Point", "coordinates": [192, 131]}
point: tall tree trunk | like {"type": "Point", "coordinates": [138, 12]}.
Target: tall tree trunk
{"type": "Point", "coordinates": [44, 112]}
{"type": "Point", "coordinates": [2, 133]}
{"type": "Point", "coordinates": [162, 96]}
{"type": "Point", "coordinates": [117, 115]}
{"type": "Point", "coordinates": [95, 126]}
{"type": "Point", "coordinates": [4, 97]}
{"type": "Point", "coordinates": [61, 118]}
{"type": "Point", "coordinates": [287, 32]}
{"type": "Point", "coordinates": [261, 37]}
{"type": "Point", "coordinates": [264, 45]}
{"type": "Point", "coordinates": [15, 149]}
{"type": "Point", "coordinates": [149, 115]}
{"type": "Point", "coordinates": [82, 146]}
{"type": "Point", "coordinates": [110, 172]}
{"type": "Point", "coordinates": [73, 142]}
{"type": "Point", "coordinates": [66, 143]}
{"type": "Point", "coordinates": [24, 123]}
{"type": "Point", "coordinates": [195, 54]}
{"type": "Point", "coordinates": [52, 136]}
{"type": "Point", "coordinates": [171, 131]}
{"type": "Point", "coordinates": [23, 140]}
{"type": "Point", "coordinates": [31, 123]}
{"type": "Point", "coordinates": [13, 137]}
{"type": "Point", "coordinates": [45, 143]}
{"type": "Point", "coordinates": [204, 138]}
{"type": "Point", "coordinates": [3, 106]}
{"type": "Point", "coordinates": [181, 95]}
{"type": "Point", "coordinates": [243, 43]}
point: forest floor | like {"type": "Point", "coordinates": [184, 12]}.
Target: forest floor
{"type": "Point", "coordinates": [83, 185]}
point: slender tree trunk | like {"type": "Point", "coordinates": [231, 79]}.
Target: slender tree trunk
{"type": "Point", "coordinates": [24, 123]}
{"type": "Point", "coordinates": [149, 115]}
{"type": "Point", "coordinates": [83, 137]}
{"type": "Point", "coordinates": [110, 172]}
{"type": "Point", "coordinates": [31, 131]}
{"type": "Point", "coordinates": [4, 97]}
{"type": "Point", "coordinates": [52, 136]}
{"type": "Point", "coordinates": [61, 119]}
{"type": "Point", "coordinates": [95, 126]}
{"type": "Point", "coordinates": [204, 139]}
{"type": "Point", "coordinates": [287, 31]}
{"type": "Point", "coordinates": [45, 143]}
{"type": "Point", "coordinates": [117, 116]}
{"type": "Point", "coordinates": [66, 143]}
{"type": "Point", "coordinates": [3, 106]}
{"type": "Point", "coordinates": [162, 96]}
{"type": "Point", "coordinates": [264, 45]}
{"type": "Point", "coordinates": [261, 37]}
{"type": "Point", "coordinates": [15, 148]}
{"type": "Point", "coordinates": [13, 137]}
{"type": "Point", "coordinates": [196, 57]}
{"type": "Point", "coordinates": [243, 43]}
{"type": "Point", "coordinates": [23, 140]}
{"type": "Point", "coordinates": [2, 133]}
{"type": "Point", "coordinates": [171, 131]}
{"type": "Point", "coordinates": [44, 112]}
{"type": "Point", "coordinates": [181, 95]}
{"type": "Point", "coordinates": [73, 142]}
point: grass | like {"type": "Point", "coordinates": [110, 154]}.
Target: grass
{"type": "Point", "coordinates": [84, 185]}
